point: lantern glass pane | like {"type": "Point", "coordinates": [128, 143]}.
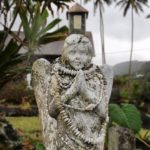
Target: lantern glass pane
{"type": "Point", "coordinates": [77, 21]}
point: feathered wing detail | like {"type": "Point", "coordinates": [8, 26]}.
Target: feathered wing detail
{"type": "Point", "coordinates": [40, 81]}
{"type": "Point", "coordinates": [108, 74]}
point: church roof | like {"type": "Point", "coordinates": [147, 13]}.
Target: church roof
{"type": "Point", "coordinates": [55, 48]}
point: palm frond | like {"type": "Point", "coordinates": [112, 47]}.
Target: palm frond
{"type": "Point", "coordinates": [59, 34]}
{"type": "Point", "coordinates": [50, 26]}
{"type": "Point", "coordinates": [148, 16]}
{"type": "Point", "coordinates": [25, 22]}
{"type": "Point", "coordinates": [139, 7]}
{"type": "Point", "coordinates": [59, 4]}
{"type": "Point", "coordinates": [136, 5]}
{"type": "Point", "coordinates": [126, 9]}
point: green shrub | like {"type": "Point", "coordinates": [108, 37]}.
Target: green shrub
{"type": "Point", "coordinates": [126, 115]}
{"type": "Point", "coordinates": [17, 92]}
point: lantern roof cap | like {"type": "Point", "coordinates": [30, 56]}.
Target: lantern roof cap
{"type": "Point", "coordinates": [77, 8]}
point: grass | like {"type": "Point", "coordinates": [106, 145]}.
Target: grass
{"type": "Point", "coordinates": [28, 127]}
{"type": "Point", "coordinates": [26, 124]}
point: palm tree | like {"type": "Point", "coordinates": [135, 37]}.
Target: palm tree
{"type": "Point", "coordinates": [136, 6]}
{"type": "Point", "coordinates": [100, 4]}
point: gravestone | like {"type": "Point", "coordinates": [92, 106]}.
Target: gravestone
{"type": "Point", "coordinates": [120, 138]}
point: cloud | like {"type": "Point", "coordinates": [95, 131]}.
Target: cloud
{"type": "Point", "coordinates": [120, 27]}
{"type": "Point", "coordinates": [118, 35]}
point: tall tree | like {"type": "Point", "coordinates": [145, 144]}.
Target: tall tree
{"type": "Point", "coordinates": [135, 6]}
{"type": "Point", "coordinates": [100, 4]}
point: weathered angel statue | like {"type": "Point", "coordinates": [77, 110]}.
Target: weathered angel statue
{"type": "Point", "coordinates": [72, 96]}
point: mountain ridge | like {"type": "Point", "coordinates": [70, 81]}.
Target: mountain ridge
{"type": "Point", "coordinates": [123, 67]}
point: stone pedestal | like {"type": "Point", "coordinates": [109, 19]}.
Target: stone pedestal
{"type": "Point", "coordinates": [120, 138]}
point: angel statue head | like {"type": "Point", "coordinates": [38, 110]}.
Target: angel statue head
{"type": "Point", "coordinates": [77, 51]}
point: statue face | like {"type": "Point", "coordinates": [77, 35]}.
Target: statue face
{"type": "Point", "coordinates": [78, 56]}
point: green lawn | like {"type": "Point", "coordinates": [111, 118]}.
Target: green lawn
{"type": "Point", "coordinates": [29, 130]}
{"type": "Point", "coordinates": [29, 127]}
{"type": "Point", "coordinates": [26, 124]}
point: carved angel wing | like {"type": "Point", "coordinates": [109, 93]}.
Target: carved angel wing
{"type": "Point", "coordinates": [108, 73]}
{"type": "Point", "coordinates": [40, 81]}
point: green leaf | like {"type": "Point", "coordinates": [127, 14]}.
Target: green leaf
{"type": "Point", "coordinates": [59, 34]}
{"type": "Point", "coordinates": [8, 52]}
{"type": "Point", "coordinates": [133, 116]}
{"type": "Point", "coordinates": [39, 22]}
{"type": "Point", "coordinates": [117, 115]}
{"type": "Point", "coordinates": [61, 30]}
{"type": "Point", "coordinates": [16, 60]}
{"type": "Point", "coordinates": [50, 25]}
{"type": "Point", "coordinates": [2, 34]}
{"type": "Point", "coordinates": [52, 39]}
{"type": "Point", "coordinates": [127, 116]}
{"type": "Point", "coordinates": [40, 146]}
{"type": "Point", "coordinates": [25, 22]}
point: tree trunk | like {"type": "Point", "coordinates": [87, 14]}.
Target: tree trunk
{"type": "Point", "coordinates": [131, 53]}
{"type": "Point", "coordinates": [102, 35]}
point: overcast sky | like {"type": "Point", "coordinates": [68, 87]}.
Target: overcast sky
{"type": "Point", "coordinates": [117, 34]}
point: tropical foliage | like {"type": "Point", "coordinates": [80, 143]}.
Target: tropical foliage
{"type": "Point", "coordinates": [36, 31]}
{"type": "Point", "coordinates": [135, 6]}
{"type": "Point", "coordinates": [127, 116]}
{"type": "Point", "coordinates": [9, 58]}
{"type": "Point", "coordinates": [60, 4]}
{"type": "Point", "coordinates": [33, 16]}
{"type": "Point", "coordinates": [140, 95]}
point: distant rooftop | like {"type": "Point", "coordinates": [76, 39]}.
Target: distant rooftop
{"type": "Point", "coordinates": [55, 48]}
